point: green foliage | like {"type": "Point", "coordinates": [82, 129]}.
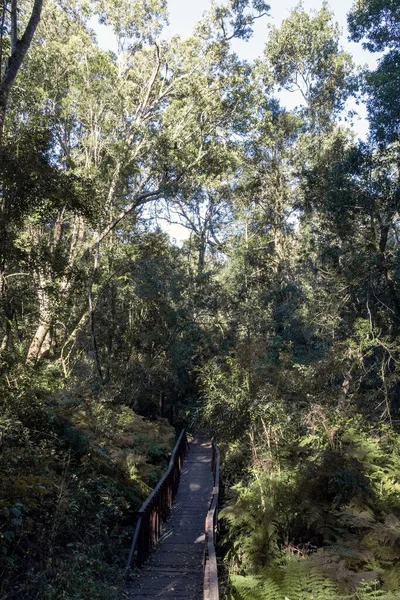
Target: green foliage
{"type": "Point", "coordinates": [74, 470]}
{"type": "Point", "coordinates": [133, 20]}
{"type": "Point", "coordinates": [251, 588]}
{"type": "Point", "coordinates": [294, 582]}
{"type": "Point", "coordinates": [275, 326]}
{"type": "Point", "coordinates": [305, 56]}
{"type": "Point", "coordinates": [317, 520]}
{"type": "Point", "coordinates": [226, 397]}
{"type": "Point", "coordinates": [377, 21]}
{"type": "Point", "coordinates": [235, 18]}
{"type": "Point", "coordinates": [32, 185]}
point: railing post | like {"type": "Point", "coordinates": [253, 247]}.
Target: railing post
{"type": "Point", "coordinates": [156, 508]}
{"type": "Point", "coordinates": [210, 583]}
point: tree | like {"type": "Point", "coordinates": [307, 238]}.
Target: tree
{"type": "Point", "coordinates": [164, 114]}
{"type": "Point", "coordinates": [12, 54]}
{"type": "Point", "coordinates": [376, 21]}
{"type": "Point", "coordinates": [234, 18]}
{"type": "Point", "coordinates": [276, 324]}
{"type": "Point", "coordinates": [304, 56]}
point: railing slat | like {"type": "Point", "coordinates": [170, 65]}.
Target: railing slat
{"type": "Point", "coordinates": [156, 507]}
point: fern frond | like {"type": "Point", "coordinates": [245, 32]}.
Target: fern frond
{"type": "Point", "coordinates": [391, 580]}
{"type": "Point", "coordinates": [371, 591]}
{"type": "Point", "coordinates": [358, 518]}
{"type": "Point", "coordinates": [300, 583]}
{"type": "Point", "coordinates": [252, 588]}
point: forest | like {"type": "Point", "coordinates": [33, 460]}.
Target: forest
{"type": "Point", "coordinates": [275, 325]}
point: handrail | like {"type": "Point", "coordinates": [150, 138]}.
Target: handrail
{"type": "Point", "coordinates": [155, 510]}
{"type": "Point", "coordinates": [210, 558]}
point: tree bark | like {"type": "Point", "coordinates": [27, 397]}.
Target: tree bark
{"type": "Point", "coordinates": [383, 238]}
{"type": "Point", "coordinates": [37, 342]}
{"type": "Point", "coordinates": [91, 319]}
{"type": "Point", "coordinates": [43, 328]}
{"type": "Point", "coordinates": [19, 48]}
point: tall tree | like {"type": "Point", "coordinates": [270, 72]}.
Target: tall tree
{"type": "Point", "coordinates": [304, 56]}
{"type": "Point", "coordinates": [14, 49]}
{"type": "Point", "coordinates": [377, 22]}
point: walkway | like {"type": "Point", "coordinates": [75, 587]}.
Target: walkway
{"type": "Point", "coordinates": [175, 570]}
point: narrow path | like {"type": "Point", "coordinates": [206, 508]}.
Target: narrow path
{"type": "Point", "coordinates": [175, 570]}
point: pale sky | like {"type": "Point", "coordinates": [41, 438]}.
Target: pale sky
{"type": "Point", "coordinates": [185, 13]}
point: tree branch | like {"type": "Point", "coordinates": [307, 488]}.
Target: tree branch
{"type": "Point", "coordinates": [21, 46]}
{"type": "Point", "coordinates": [14, 26]}
{"type": "Point", "coordinates": [139, 201]}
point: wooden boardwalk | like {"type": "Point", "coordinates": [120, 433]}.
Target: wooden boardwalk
{"type": "Point", "coordinates": [175, 570]}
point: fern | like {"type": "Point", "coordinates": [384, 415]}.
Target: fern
{"type": "Point", "coordinates": [391, 579]}
{"type": "Point", "coordinates": [302, 583]}
{"type": "Point", "coordinates": [373, 591]}
{"type": "Point", "coordinates": [293, 581]}
{"type": "Point", "coordinates": [252, 588]}
{"type": "Point", "coordinates": [338, 509]}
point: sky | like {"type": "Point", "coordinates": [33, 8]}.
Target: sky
{"type": "Point", "coordinates": [185, 13]}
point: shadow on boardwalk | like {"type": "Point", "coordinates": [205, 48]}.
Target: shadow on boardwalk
{"type": "Point", "coordinates": [175, 570]}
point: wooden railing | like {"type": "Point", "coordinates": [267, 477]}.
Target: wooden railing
{"type": "Point", "coordinates": [155, 510]}
{"type": "Point", "coordinates": [210, 558]}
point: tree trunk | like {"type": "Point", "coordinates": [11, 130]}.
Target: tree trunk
{"type": "Point", "coordinates": [202, 253]}
{"type": "Point", "coordinates": [38, 339]}
{"type": "Point", "coordinates": [43, 328]}
{"type": "Point", "coordinates": [383, 239]}
{"type": "Point", "coordinates": [92, 317]}
{"type": "Point", "coordinates": [3, 105]}
{"type": "Point", "coordinates": [19, 48]}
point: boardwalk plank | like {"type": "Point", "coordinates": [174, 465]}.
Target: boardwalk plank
{"type": "Point", "coordinates": [175, 571]}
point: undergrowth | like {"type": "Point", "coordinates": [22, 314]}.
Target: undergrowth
{"type": "Point", "coordinates": [317, 519]}
{"type": "Point", "coordinates": [312, 491]}
{"type": "Point", "coordinates": [74, 469]}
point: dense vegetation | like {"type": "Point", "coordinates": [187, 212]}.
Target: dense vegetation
{"type": "Point", "coordinates": [275, 324]}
